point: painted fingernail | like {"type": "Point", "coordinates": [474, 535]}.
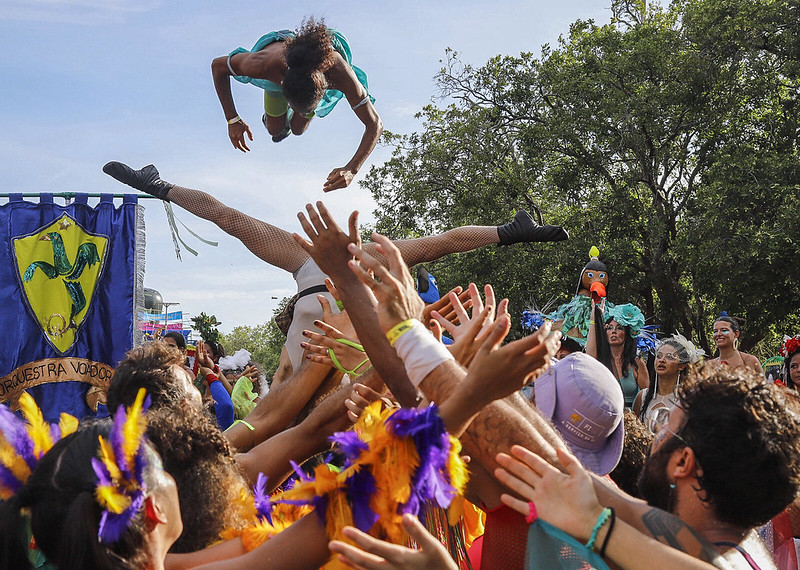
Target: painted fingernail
{"type": "Point", "coordinates": [303, 344]}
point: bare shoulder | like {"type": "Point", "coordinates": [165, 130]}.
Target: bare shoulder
{"type": "Point", "coordinates": [751, 361]}
{"type": "Point", "coordinates": [342, 77]}
{"type": "Point", "coordinates": [269, 63]}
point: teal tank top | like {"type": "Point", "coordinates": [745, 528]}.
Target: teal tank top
{"type": "Point", "coordinates": [629, 386]}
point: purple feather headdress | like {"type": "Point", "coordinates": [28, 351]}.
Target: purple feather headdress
{"type": "Point", "coordinates": [23, 442]}
{"type": "Point", "coordinates": [120, 468]}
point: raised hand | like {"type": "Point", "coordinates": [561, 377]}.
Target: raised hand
{"type": "Point", "coordinates": [565, 500]}
{"type": "Point", "coordinates": [360, 397]}
{"type": "Point", "coordinates": [393, 287]}
{"type": "Point", "coordinates": [202, 356]}
{"type": "Point", "coordinates": [499, 371]}
{"type": "Point", "coordinates": [445, 307]}
{"type": "Point", "coordinates": [250, 372]}
{"type": "Point", "coordinates": [328, 245]}
{"type": "Point", "coordinates": [373, 554]}
{"type": "Point", "coordinates": [463, 318]}
{"type": "Point", "coordinates": [350, 358]}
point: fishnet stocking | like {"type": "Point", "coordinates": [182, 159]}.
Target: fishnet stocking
{"type": "Point", "coordinates": [267, 242]}
{"type": "Point", "coordinates": [278, 248]}
{"type": "Point", "coordinates": [431, 248]}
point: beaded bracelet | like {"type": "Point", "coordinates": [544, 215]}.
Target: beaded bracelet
{"type": "Point", "coordinates": [601, 520]}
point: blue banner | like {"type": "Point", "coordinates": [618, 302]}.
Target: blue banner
{"type": "Point", "coordinates": [71, 282]}
{"type": "Point", "coordinates": [148, 316]}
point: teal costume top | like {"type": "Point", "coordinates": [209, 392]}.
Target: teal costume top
{"type": "Point", "coordinates": [629, 386]}
{"type": "Point", "coordinates": [332, 96]}
{"type": "Point", "coordinates": [576, 313]}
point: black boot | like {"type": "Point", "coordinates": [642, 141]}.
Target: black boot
{"type": "Point", "coordinates": [524, 229]}
{"type": "Point", "coordinates": [145, 179]}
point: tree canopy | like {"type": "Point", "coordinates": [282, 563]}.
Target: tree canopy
{"type": "Point", "coordinates": [263, 342]}
{"type": "Point", "coordinates": [668, 138]}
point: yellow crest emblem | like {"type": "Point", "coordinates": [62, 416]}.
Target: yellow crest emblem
{"type": "Point", "coordinates": [59, 266]}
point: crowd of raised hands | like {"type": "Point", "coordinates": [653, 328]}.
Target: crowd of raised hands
{"type": "Point", "coordinates": [376, 298]}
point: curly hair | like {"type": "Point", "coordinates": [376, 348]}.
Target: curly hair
{"type": "Point", "coordinates": [210, 487]}
{"type": "Point", "coordinates": [634, 452]}
{"type": "Point", "coordinates": [308, 56]}
{"type": "Point", "coordinates": [150, 367]}
{"type": "Point", "coordinates": [745, 434]}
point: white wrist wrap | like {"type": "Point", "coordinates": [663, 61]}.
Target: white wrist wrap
{"type": "Point", "coordinates": [420, 352]}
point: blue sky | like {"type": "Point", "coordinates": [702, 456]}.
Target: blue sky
{"type": "Point", "coordinates": [88, 81]}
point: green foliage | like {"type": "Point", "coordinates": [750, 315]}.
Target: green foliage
{"type": "Point", "coordinates": [668, 138]}
{"type": "Point", "coordinates": [206, 326]}
{"type": "Point", "coordinates": [263, 342]}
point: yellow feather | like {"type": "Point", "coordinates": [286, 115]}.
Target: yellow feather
{"type": "Point", "coordinates": [68, 424]}
{"type": "Point", "coordinates": [107, 456]}
{"type": "Point", "coordinates": [338, 515]}
{"type": "Point", "coordinates": [244, 504]}
{"type": "Point", "coordinates": [459, 475]}
{"type": "Point", "coordinates": [38, 429]}
{"type": "Point", "coordinates": [594, 253]}
{"type": "Point", "coordinates": [257, 534]}
{"type": "Point", "coordinates": [113, 501]}
{"type": "Point", "coordinates": [134, 428]}
{"type": "Point", "coordinates": [13, 462]}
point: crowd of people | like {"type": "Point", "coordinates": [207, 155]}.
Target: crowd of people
{"type": "Point", "coordinates": [402, 433]}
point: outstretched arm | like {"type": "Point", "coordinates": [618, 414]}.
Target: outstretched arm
{"type": "Point", "coordinates": [343, 78]}
{"type": "Point", "coordinates": [370, 553]}
{"type": "Point", "coordinates": [222, 84]}
{"type": "Point", "coordinates": [495, 373]}
{"type": "Point", "coordinates": [309, 437]}
{"type": "Point", "coordinates": [281, 404]}
{"type": "Point", "coordinates": [328, 248]}
{"type": "Point", "coordinates": [570, 501]}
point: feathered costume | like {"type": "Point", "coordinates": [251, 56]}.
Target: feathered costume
{"type": "Point", "coordinates": [396, 461]}
{"type": "Point", "coordinates": [24, 442]}
{"type": "Point", "coordinates": [120, 470]}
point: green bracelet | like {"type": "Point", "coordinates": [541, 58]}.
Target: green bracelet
{"type": "Point", "coordinates": [247, 425]}
{"type": "Point", "coordinates": [338, 365]}
{"type": "Point", "coordinates": [350, 343]}
{"type": "Point", "coordinates": [601, 520]}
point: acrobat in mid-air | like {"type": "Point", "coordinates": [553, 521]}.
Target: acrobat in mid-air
{"type": "Point", "coordinates": [303, 75]}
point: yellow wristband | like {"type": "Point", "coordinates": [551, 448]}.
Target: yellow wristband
{"type": "Point", "coordinates": [236, 119]}
{"type": "Point", "coordinates": [399, 330]}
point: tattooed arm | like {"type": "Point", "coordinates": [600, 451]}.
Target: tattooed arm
{"type": "Point", "coordinates": [660, 525]}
